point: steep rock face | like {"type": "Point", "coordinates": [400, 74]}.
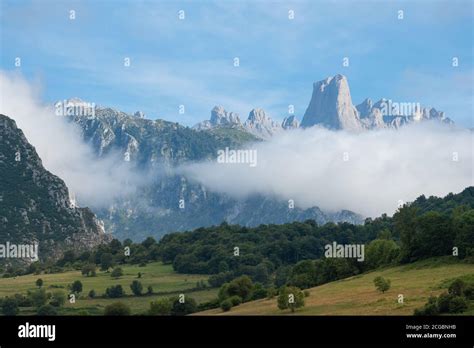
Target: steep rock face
{"type": "Point", "coordinates": [365, 108]}
{"type": "Point", "coordinates": [35, 206]}
{"type": "Point", "coordinates": [396, 114]}
{"type": "Point", "coordinates": [259, 124]}
{"type": "Point", "coordinates": [370, 117]}
{"type": "Point", "coordinates": [146, 142]}
{"type": "Point", "coordinates": [290, 122]}
{"type": "Point", "coordinates": [156, 210]}
{"type": "Point", "coordinates": [220, 117]}
{"type": "Point", "coordinates": [331, 106]}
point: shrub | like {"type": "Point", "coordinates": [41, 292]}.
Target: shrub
{"type": "Point", "coordinates": [47, 310]}
{"type": "Point", "coordinates": [469, 292]}
{"type": "Point", "coordinates": [457, 304]}
{"type": "Point", "coordinates": [203, 306]}
{"type": "Point", "coordinates": [91, 293]}
{"type": "Point", "coordinates": [235, 300]}
{"type": "Point", "coordinates": [106, 261]}
{"type": "Point", "coordinates": [271, 292]}
{"type": "Point", "coordinates": [38, 297]}
{"type": "Point", "coordinates": [76, 286]}
{"type": "Point", "coordinates": [290, 297]}
{"type": "Point", "coordinates": [10, 307]}
{"type": "Point", "coordinates": [430, 308]}
{"type": "Point", "coordinates": [161, 306]}
{"type": "Point", "coordinates": [226, 305]}
{"type": "Point", "coordinates": [241, 286]}
{"type": "Point", "coordinates": [457, 288]}
{"type": "Point", "coordinates": [114, 291]}
{"type": "Point", "coordinates": [183, 308]}
{"type": "Point", "coordinates": [22, 300]}
{"type": "Point", "coordinates": [117, 308]}
{"type": "Point", "coordinates": [89, 270]}
{"type": "Point", "coordinates": [149, 290]}
{"type": "Point", "coordinates": [136, 288]}
{"type": "Point", "coordinates": [382, 284]}
{"type": "Point", "coordinates": [116, 272]}
{"type": "Point", "coordinates": [443, 302]}
{"type": "Point", "coordinates": [58, 298]}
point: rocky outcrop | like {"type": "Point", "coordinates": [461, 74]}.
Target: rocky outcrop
{"type": "Point", "coordinates": [331, 106]}
{"type": "Point", "coordinates": [260, 125]}
{"type": "Point", "coordinates": [290, 122]}
{"type": "Point", "coordinates": [220, 118]}
{"type": "Point", "coordinates": [258, 122]}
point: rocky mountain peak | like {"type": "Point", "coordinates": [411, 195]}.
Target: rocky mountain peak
{"type": "Point", "coordinates": [257, 116]}
{"type": "Point", "coordinates": [139, 114]}
{"type": "Point", "coordinates": [220, 117]}
{"type": "Point", "coordinates": [365, 107]}
{"type": "Point", "coordinates": [261, 125]}
{"type": "Point", "coordinates": [331, 105]}
{"type": "Point", "coordinates": [290, 122]}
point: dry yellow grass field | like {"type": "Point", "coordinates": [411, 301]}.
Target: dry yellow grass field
{"type": "Point", "coordinates": [358, 296]}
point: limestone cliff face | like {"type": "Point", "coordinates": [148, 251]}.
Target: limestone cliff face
{"type": "Point", "coordinates": [258, 123]}
{"type": "Point", "coordinates": [261, 125]}
{"type": "Point", "coordinates": [35, 205]}
{"type": "Point", "coordinates": [331, 106]}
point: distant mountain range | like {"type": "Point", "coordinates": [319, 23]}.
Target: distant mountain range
{"type": "Point", "coordinates": [35, 207]}
{"type": "Point", "coordinates": [159, 146]}
{"type": "Point", "coordinates": [330, 107]}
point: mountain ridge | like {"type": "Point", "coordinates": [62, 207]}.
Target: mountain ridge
{"type": "Point", "coordinates": [35, 205]}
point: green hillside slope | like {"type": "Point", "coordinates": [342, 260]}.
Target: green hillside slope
{"type": "Point", "coordinates": [358, 296]}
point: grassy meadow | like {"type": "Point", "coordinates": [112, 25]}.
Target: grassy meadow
{"type": "Point", "coordinates": [357, 295]}
{"type": "Point", "coordinates": [162, 278]}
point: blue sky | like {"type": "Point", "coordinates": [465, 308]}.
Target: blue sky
{"type": "Point", "coordinates": [191, 61]}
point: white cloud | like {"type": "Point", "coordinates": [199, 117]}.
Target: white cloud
{"type": "Point", "coordinates": [59, 144]}
{"type": "Point", "coordinates": [383, 167]}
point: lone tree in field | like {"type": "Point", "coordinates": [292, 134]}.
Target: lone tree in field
{"type": "Point", "coordinates": [136, 288]}
{"type": "Point", "coordinates": [58, 297]}
{"type": "Point", "coordinates": [290, 297]}
{"type": "Point", "coordinates": [76, 286]}
{"type": "Point", "coordinates": [39, 282]}
{"type": "Point", "coordinates": [382, 284]}
{"type": "Point", "coordinates": [115, 291]}
{"type": "Point", "coordinates": [116, 272]}
{"type": "Point", "coordinates": [89, 270]}
{"type": "Point", "coordinates": [106, 261]}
